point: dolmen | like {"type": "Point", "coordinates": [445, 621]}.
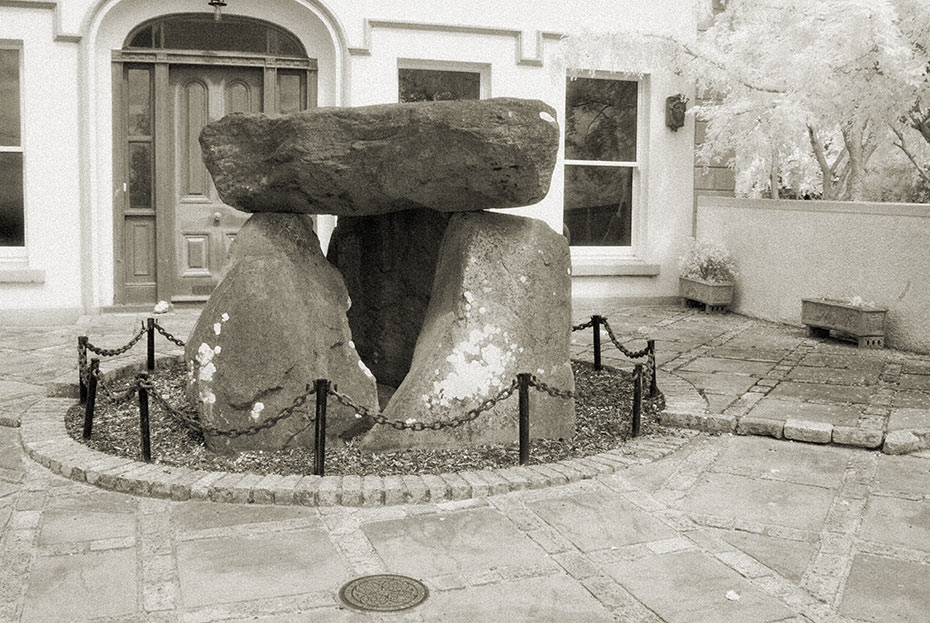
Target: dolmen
{"type": "Point", "coordinates": [426, 305]}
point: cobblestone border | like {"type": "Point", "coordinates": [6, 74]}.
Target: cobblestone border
{"type": "Point", "coordinates": [46, 441]}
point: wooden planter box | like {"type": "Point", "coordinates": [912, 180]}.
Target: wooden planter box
{"type": "Point", "coordinates": [716, 296]}
{"type": "Point", "coordinates": [865, 324]}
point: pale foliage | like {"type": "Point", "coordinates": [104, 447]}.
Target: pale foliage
{"type": "Point", "coordinates": [801, 92]}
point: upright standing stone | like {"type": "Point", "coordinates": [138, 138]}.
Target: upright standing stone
{"type": "Point", "coordinates": [450, 156]}
{"type": "Point", "coordinates": [501, 305]}
{"type": "Point", "coordinates": [274, 324]}
{"type": "Point", "coordinates": [388, 262]}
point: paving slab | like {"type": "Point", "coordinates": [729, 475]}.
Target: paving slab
{"type": "Point", "coordinates": [732, 384]}
{"type": "Point", "coordinates": [771, 502]}
{"type": "Point", "coordinates": [835, 376]}
{"type": "Point", "coordinates": [468, 541]}
{"type": "Point", "coordinates": [903, 474]}
{"type": "Point", "coordinates": [911, 399]}
{"type": "Point", "coordinates": [594, 522]}
{"type": "Point", "coordinates": [785, 409]}
{"type": "Point", "coordinates": [691, 587]}
{"type": "Point", "coordinates": [81, 586]}
{"type": "Point", "coordinates": [786, 557]}
{"type": "Point", "coordinates": [821, 392]}
{"type": "Point", "coordinates": [206, 515]}
{"type": "Point", "coordinates": [909, 419]}
{"type": "Point", "coordinates": [734, 366]}
{"type": "Point", "coordinates": [67, 526]}
{"type": "Point", "coordinates": [894, 521]}
{"type": "Point", "coordinates": [860, 360]}
{"type": "Point", "coordinates": [884, 590]}
{"type": "Point", "coordinates": [915, 381]}
{"type": "Point", "coordinates": [752, 353]}
{"type": "Point", "coordinates": [555, 599]}
{"type": "Point", "coordinates": [231, 569]}
{"type": "Point", "coordinates": [780, 460]}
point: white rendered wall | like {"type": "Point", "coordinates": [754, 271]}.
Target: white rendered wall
{"type": "Point", "coordinates": [49, 88]}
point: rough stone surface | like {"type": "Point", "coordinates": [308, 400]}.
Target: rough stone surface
{"type": "Point", "coordinates": [388, 262]}
{"type": "Point", "coordinates": [901, 442]}
{"type": "Point", "coordinates": [501, 305]}
{"type": "Point", "coordinates": [450, 156]}
{"type": "Point", "coordinates": [804, 430]}
{"type": "Point", "coordinates": [274, 324]}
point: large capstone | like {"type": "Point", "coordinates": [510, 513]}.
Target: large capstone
{"type": "Point", "coordinates": [500, 305]}
{"type": "Point", "coordinates": [388, 262]}
{"type": "Point", "coordinates": [275, 323]}
{"type": "Point", "coordinates": [449, 156]}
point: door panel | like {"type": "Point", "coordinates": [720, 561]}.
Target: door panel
{"type": "Point", "coordinates": [204, 225]}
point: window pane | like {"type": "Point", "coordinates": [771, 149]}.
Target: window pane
{"type": "Point", "coordinates": [427, 85]}
{"type": "Point", "coordinates": [11, 200]}
{"type": "Point", "coordinates": [598, 204]}
{"type": "Point", "coordinates": [292, 91]}
{"type": "Point", "coordinates": [140, 175]}
{"type": "Point", "coordinates": [139, 122]}
{"type": "Point", "coordinates": [9, 98]}
{"type": "Point", "coordinates": [207, 34]}
{"type": "Point", "coordinates": [600, 119]}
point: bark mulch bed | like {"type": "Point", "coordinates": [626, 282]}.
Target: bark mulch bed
{"type": "Point", "coordinates": [603, 404]}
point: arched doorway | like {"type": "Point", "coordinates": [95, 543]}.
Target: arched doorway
{"type": "Point", "coordinates": [173, 75]}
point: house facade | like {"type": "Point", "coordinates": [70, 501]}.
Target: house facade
{"type": "Point", "coordinates": [104, 202]}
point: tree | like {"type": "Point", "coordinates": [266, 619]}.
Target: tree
{"type": "Point", "coordinates": [799, 91]}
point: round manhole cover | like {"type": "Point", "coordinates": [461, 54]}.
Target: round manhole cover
{"type": "Point", "coordinates": [383, 593]}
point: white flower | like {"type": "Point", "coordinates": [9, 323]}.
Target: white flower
{"type": "Point", "coordinates": [409, 420]}
{"type": "Point", "coordinates": [208, 398]}
{"type": "Point", "coordinates": [217, 328]}
{"type": "Point", "coordinates": [257, 409]}
{"type": "Point", "coordinates": [224, 317]}
{"type": "Point", "coordinates": [482, 310]}
{"type": "Point", "coordinates": [218, 349]}
{"type": "Point", "coordinates": [205, 353]}
{"type": "Point", "coordinates": [522, 278]}
{"type": "Point", "coordinates": [358, 416]}
{"type": "Point", "coordinates": [162, 307]}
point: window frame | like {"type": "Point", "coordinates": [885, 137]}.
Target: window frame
{"type": "Point", "coordinates": [18, 253]}
{"type": "Point", "coordinates": [482, 69]}
{"type": "Point", "coordinates": [595, 256]}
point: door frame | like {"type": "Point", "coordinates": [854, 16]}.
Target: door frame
{"type": "Point", "coordinates": [163, 152]}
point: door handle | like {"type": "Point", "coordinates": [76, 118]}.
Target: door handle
{"type": "Point", "coordinates": [216, 217]}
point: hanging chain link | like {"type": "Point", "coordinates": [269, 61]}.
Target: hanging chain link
{"type": "Point", "coordinates": [168, 336]}
{"type": "Point", "coordinates": [193, 421]}
{"type": "Point", "coordinates": [415, 426]}
{"type": "Point", "coordinates": [113, 352]}
{"type": "Point", "coordinates": [115, 396]}
{"type": "Point", "coordinates": [83, 370]}
{"type": "Point", "coordinates": [552, 391]}
{"type": "Point", "coordinates": [613, 338]}
{"type": "Point", "coordinates": [583, 325]}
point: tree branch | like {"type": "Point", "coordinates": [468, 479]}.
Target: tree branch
{"type": "Point", "coordinates": [900, 144]}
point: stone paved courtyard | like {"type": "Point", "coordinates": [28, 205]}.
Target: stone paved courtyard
{"type": "Point", "coordinates": [719, 528]}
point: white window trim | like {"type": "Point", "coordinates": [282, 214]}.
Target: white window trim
{"type": "Point", "coordinates": [614, 259]}
{"type": "Point", "coordinates": [482, 69]}
{"type": "Point", "coordinates": [17, 257]}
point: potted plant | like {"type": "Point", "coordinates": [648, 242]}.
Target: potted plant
{"type": "Point", "coordinates": [863, 321]}
{"type": "Point", "coordinates": [707, 275]}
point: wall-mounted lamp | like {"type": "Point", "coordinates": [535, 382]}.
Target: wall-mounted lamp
{"type": "Point", "coordinates": [217, 8]}
{"type": "Point", "coordinates": [675, 107]}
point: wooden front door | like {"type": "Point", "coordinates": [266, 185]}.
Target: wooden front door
{"type": "Point", "coordinates": [204, 227]}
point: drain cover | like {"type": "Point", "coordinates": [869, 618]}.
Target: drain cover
{"type": "Point", "coordinates": [383, 593]}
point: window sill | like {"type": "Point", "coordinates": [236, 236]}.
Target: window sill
{"type": "Point", "coordinates": [614, 269]}
{"type": "Point", "coordinates": [22, 275]}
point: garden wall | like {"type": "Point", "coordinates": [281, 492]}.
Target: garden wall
{"type": "Point", "coordinates": [788, 250]}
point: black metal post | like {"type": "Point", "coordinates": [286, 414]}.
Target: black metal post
{"type": "Point", "coordinates": [523, 383]}
{"type": "Point", "coordinates": [637, 398]}
{"type": "Point", "coordinates": [91, 397]}
{"type": "Point", "coordinates": [596, 320]}
{"type": "Point", "coordinates": [144, 418]}
{"type": "Point", "coordinates": [150, 350]}
{"type": "Point", "coordinates": [319, 452]}
{"type": "Point", "coordinates": [82, 357]}
{"type": "Point", "coordinates": [653, 384]}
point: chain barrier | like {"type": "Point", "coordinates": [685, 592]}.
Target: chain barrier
{"type": "Point", "coordinates": [468, 416]}
{"type": "Point", "coordinates": [113, 352]}
{"type": "Point", "coordinates": [613, 338]}
{"type": "Point", "coordinates": [115, 396]}
{"type": "Point", "coordinates": [168, 336]}
{"type": "Point", "coordinates": [83, 369]}
{"type": "Point", "coordinates": [552, 391]}
{"type": "Point", "coordinates": [194, 422]}
{"type": "Point", "coordinates": [583, 325]}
